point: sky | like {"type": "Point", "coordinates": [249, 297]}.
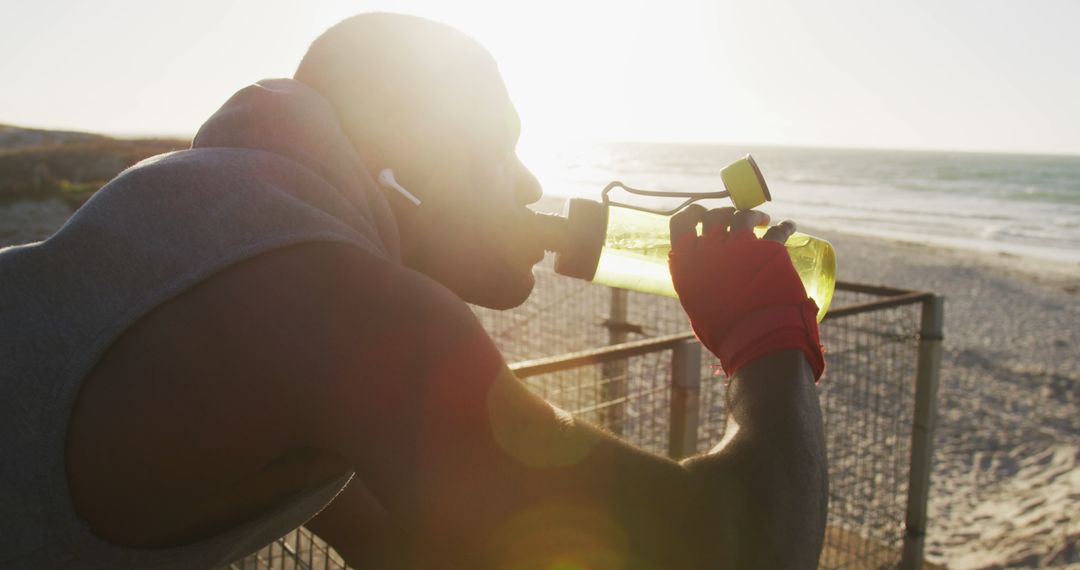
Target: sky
{"type": "Point", "coordinates": [978, 75]}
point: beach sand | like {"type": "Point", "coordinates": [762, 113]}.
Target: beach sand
{"type": "Point", "coordinates": [1006, 484]}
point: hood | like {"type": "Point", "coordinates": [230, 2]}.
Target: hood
{"type": "Point", "coordinates": [290, 119]}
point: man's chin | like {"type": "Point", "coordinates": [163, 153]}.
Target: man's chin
{"type": "Point", "coordinates": [502, 293]}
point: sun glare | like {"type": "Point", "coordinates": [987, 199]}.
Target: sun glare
{"type": "Point", "coordinates": [774, 71]}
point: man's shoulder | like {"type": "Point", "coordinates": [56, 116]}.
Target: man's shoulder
{"type": "Point", "coordinates": [302, 322]}
{"type": "Point", "coordinates": [304, 304]}
{"type": "Point", "coordinates": [285, 328]}
{"type": "Point", "coordinates": [209, 162]}
{"type": "Point", "coordinates": [306, 286]}
{"type": "Point", "coordinates": [263, 331]}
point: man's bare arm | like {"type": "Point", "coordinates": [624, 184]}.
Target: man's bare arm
{"type": "Point", "coordinates": [771, 465]}
{"type": "Point", "coordinates": [361, 531]}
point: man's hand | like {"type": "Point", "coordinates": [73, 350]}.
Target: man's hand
{"type": "Point", "coordinates": [742, 294]}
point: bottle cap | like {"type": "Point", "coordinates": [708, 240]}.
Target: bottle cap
{"type": "Point", "coordinates": [585, 231]}
{"type": "Point", "coordinates": [743, 180]}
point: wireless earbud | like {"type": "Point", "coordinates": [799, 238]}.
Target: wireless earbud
{"type": "Point", "coordinates": [387, 181]}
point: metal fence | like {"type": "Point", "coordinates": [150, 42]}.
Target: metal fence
{"type": "Point", "coordinates": [649, 381]}
{"type": "Point", "coordinates": [298, 550]}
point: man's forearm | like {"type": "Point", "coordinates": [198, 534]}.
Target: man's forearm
{"type": "Point", "coordinates": [770, 468]}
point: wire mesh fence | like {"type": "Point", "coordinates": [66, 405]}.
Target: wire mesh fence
{"type": "Point", "coordinates": [867, 399]}
{"type": "Point", "coordinates": [298, 550]}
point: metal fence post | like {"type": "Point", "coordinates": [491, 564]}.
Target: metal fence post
{"type": "Point", "coordinates": [922, 432]}
{"type": "Point", "coordinates": [685, 398]}
{"type": "Point", "coordinates": [613, 387]}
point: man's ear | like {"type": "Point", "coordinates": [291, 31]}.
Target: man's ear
{"type": "Point", "coordinates": [371, 156]}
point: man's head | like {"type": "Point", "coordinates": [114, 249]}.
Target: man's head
{"type": "Point", "coordinates": [428, 101]}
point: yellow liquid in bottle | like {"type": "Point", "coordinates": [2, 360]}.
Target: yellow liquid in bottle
{"type": "Point", "coordinates": [635, 256]}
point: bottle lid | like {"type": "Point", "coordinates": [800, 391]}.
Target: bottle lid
{"type": "Point", "coordinates": [586, 228]}
{"type": "Point", "coordinates": [743, 180]}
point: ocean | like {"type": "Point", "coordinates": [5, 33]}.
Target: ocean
{"type": "Point", "coordinates": [1025, 205]}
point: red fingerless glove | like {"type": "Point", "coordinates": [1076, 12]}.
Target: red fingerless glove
{"type": "Point", "coordinates": [744, 298]}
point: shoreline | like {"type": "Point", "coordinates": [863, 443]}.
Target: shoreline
{"type": "Point", "coordinates": [1040, 271]}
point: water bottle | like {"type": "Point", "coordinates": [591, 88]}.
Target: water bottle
{"type": "Point", "coordinates": [626, 245]}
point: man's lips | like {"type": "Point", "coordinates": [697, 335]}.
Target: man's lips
{"type": "Point", "coordinates": [531, 249]}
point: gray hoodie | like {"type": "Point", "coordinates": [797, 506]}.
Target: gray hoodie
{"type": "Point", "coordinates": [270, 169]}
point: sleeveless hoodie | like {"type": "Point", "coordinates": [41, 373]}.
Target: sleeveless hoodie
{"type": "Point", "coordinates": [272, 168]}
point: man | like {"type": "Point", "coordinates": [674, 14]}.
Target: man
{"type": "Point", "coordinates": [203, 357]}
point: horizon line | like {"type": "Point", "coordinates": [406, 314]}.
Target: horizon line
{"type": "Point", "coordinates": [599, 140]}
